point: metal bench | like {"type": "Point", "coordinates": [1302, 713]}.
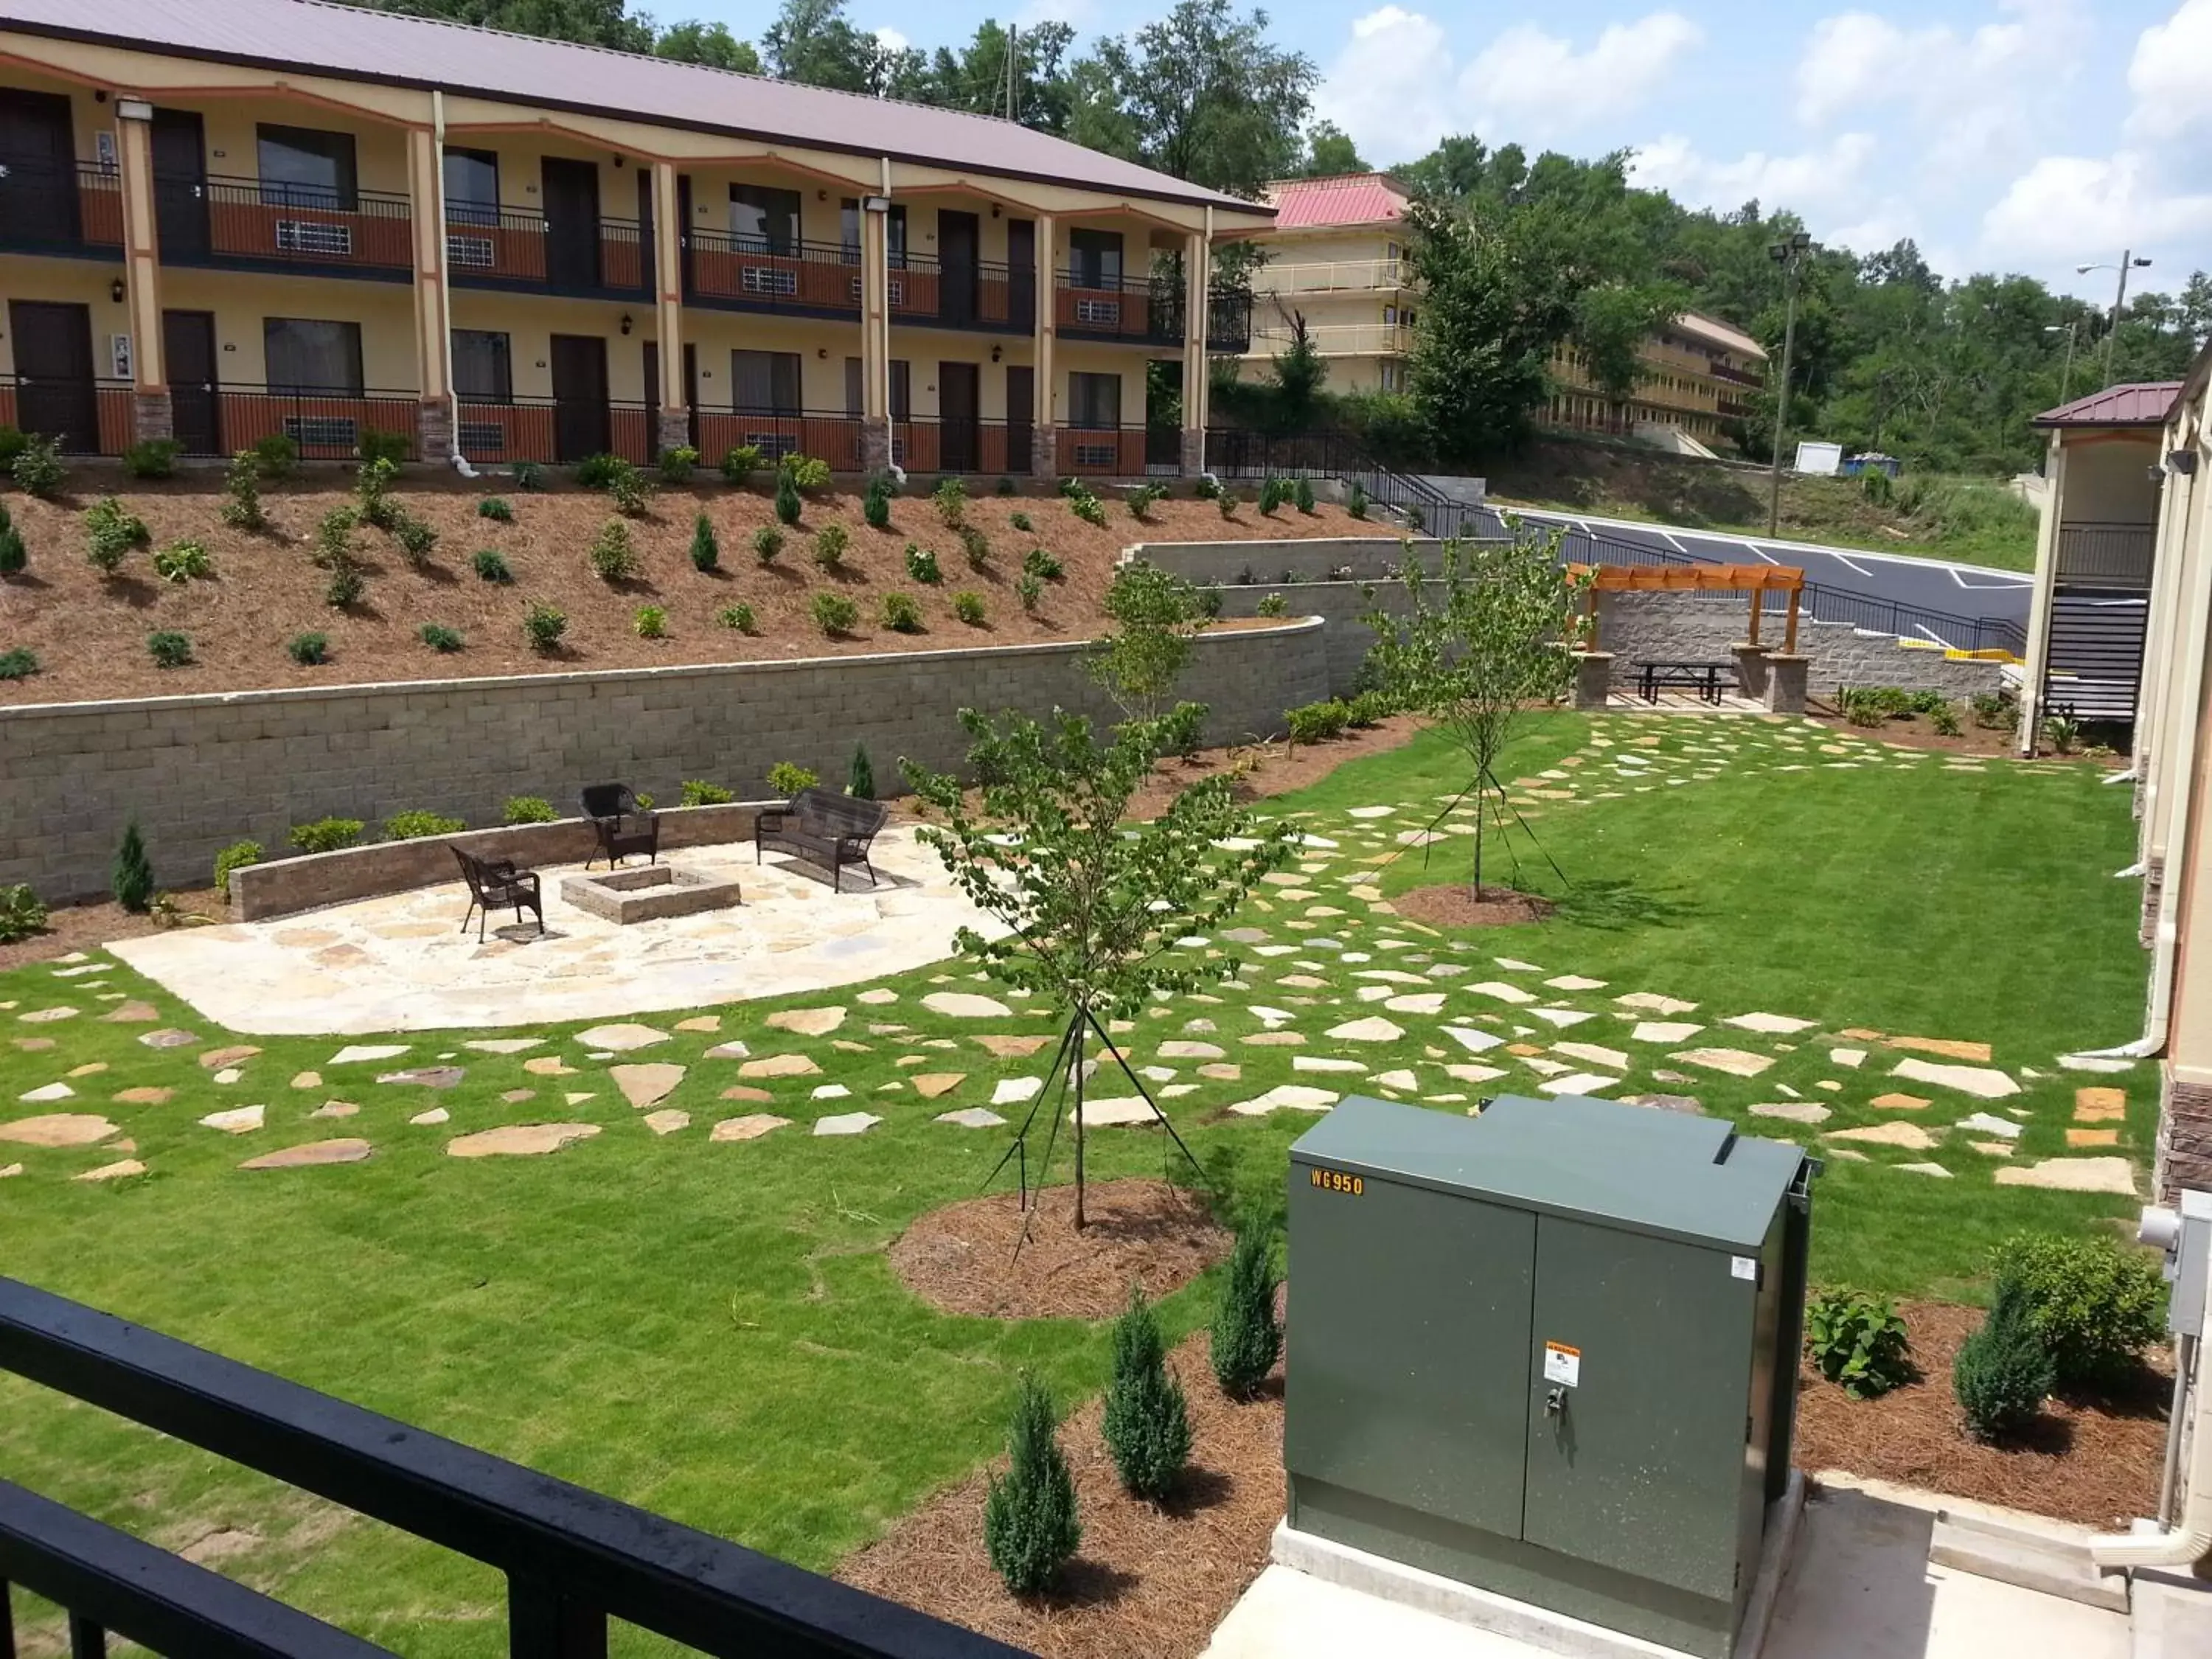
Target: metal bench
{"type": "Point", "coordinates": [829, 829]}
{"type": "Point", "coordinates": [1707, 680]}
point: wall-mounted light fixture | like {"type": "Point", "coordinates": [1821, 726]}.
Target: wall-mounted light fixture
{"type": "Point", "coordinates": [877, 204]}
{"type": "Point", "coordinates": [2182, 461]}
{"type": "Point", "coordinates": [619, 160]}
{"type": "Point", "coordinates": [995, 353]}
{"type": "Point", "coordinates": [823, 352]}
{"type": "Point", "coordinates": [133, 109]}
{"type": "Point", "coordinates": [994, 210]}
{"type": "Point", "coordinates": [626, 323]}
{"type": "Point", "coordinates": [115, 290]}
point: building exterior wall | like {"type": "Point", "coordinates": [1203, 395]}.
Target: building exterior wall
{"type": "Point", "coordinates": [2108, 481]}
{"type": "Point", "coordinates": [1349, 285]}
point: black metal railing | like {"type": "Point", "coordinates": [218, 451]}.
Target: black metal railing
{"type": "Point", "coordinates": [763, 274]}
{"type": "Point", "coordinates": [326, 423]}
{"type": "Point", "coordinates": [267, 222]}
{"type": "Point", "coordinates": [45, 208]}
{"type": "Point", "coordinates": [574, 1560]}
{"type": "Point", "coordinates": [83, 417]}
{"type": "Point", "coordinates": [2100, 555]}
{"type": "Point", "coordinates": [1228, 319]}
{"type": "Point", "coordinates": [1148, 308]}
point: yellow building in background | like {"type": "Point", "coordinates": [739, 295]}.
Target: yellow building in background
{"type": "Point", "coordinates": [1698, 374]}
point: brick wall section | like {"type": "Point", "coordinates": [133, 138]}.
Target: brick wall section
{"type": "Point", "coordinates": [1688, 627]}
{"type": "Point", "coordinates": [199, 773]}
{"type": "Point", "coordinates": [2184, 1139]}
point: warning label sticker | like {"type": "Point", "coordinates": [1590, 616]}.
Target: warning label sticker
{"type": "Point", "coordinates": [1562, 1365]}
{"type": "Point", "coordinates": [1745, 1266]}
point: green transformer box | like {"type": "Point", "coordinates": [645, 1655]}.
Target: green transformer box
{"type": "Point", "coordinates": [1550, 1351]}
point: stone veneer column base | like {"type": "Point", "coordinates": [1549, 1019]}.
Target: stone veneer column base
{"type": "Point", "coordinates": [433, 431]}
{"type": "Point", "coordinates": [671, 430]}
{"type": "Point", "coordinates": [875, 444]}
{"type": "Point", "coordinates": [2184, 1138]}
{"type": "Point", "coordinates": [1044, 452]}
{"type": "Point", "coordinates": [1593, 680]}
{"type": "Point", "coordinates": [1751, 675]}
{"type": "Point", "coordinates": [1785, 684]}
{"type": "Point", "coordinates": [151, 418]}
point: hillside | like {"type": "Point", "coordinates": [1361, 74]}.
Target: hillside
{"type": "Point", "coordinates": [89, 632]}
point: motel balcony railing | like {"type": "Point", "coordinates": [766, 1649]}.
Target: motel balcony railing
{"type": "Point", "coordinates": [2098, 555]}
{"type": "Point", "coordinates": [1340, 340]}
{"type": "Point", "coordinates": [67, 210]}
{"type": "Point", "coordinates": [1330, 277]}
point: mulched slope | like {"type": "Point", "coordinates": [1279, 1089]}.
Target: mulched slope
{"type": "Point", "coordinates": [89, 634]}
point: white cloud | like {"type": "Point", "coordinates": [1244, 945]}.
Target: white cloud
{"type": "Point", "coordinates": [891, 41]}
{"type": "Point", "coordinates": [1830, 176]}
{"type": "Point", "coordinates": [1534, 76]}
{"type": "Point", "coordinates": [2171, 74]}
{"type": "Point", "coordinates": [2065, 209]}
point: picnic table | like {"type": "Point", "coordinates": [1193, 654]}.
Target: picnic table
{"type": "Point", "coordinates": [1707, 680]}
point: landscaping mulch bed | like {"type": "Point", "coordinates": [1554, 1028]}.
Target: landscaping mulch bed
{"type": "Point", "coordinates": [1454, 904]}
{"type": "Point", "coordinates": [1917, 732]}
{"type": "Point", "coordinates": [2091, 1460]}
{"type": "Point", "coordinates": [1147, 1582]}
{"type": "Point", "coordinates": [88, 926]}
{"type": "Point", "coordinates": [1272, 768]}
{"type": "Point", "coordinates": [963, 1258]}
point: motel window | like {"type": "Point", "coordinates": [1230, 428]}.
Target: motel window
{"type": "Point", "coordinates": [849, 231]}
{"type": "Point", "coordinates": [1094, 258]}
{"type": "Point", "coordinates": [1094, 401]}
{"type": "Point", "coordinates": [765, 219]}
{"type": "Point", "coordinates": [471, 187]}
{"type": "Point", "coordinates": [483, 371]}
{"type": "Point", "coordinates": [303, 356]}
{"type": "Point", "coordinates": [304, 167]}
{"type": "Point", "coordinates": [765, 382]}
{"type": "Point", "coordinates": [902, 389]}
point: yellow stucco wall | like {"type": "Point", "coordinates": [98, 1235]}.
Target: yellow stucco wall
{"type": "Point", "coordinates": [2107, 482]}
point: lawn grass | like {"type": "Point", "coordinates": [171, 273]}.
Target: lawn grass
{"type": "Point", "coordinates": [712, 1331]}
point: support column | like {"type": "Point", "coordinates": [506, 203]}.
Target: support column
{"type": "Point", "coordinates": [2040, 604]}
{"type": "Point", "coordinates": [150, 417]}
{"type": "Point", "coordinates": [875, 335]}
{"type": "Point", "coordinates": [434, 341]}
{"type": "Point", "coordinates": [1044, 434]}
{"type": "Point", "coordinates": [1751, 660]}
{"type": "Point", "coordinates": [1785, 684]}
{"type": "Point", "coordinates": [673, 425]}
{"type": "Point", "coordinates": [1197, 271]}
{"type": "Point", "coordinates": [1593, 680]}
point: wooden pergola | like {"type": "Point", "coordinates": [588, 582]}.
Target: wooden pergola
{"type": "Point", "coordinates": [1757, 579]}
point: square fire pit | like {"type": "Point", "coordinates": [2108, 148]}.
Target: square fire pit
{"type": "Point", "coordinates": [649, 893]}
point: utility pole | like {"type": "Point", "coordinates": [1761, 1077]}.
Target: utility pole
{"type": "Point", "coordinates": [2066, 376]}
{"type": "Point", "coordinates": [1013, 73]}
{"type": "Point", "coordinates": [2128, 262]}
{"type": "Point", "coordinates": [1789, 254]}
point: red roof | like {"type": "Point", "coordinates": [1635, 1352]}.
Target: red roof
{"type": "Point", "coordinates": [2144, 403]}
{"type": "Point", "coordinates": [1349, 199]}
{"type": "Point", "coordinates": [353, 43]}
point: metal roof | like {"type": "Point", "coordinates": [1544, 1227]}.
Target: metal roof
{"type": "Point", "coordinates": [1347, 199]}
{"type": "Point", "coordinates": [312, 36]}
{"type": "Point", "coordinates": [1720, 333]}
{"type": "Point", "coordinates": [1635, 1167]}
{"type": "Point", "coordinates": [2144, 402]}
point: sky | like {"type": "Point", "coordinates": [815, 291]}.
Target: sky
{"type": "Point", "coordinates": [2031, 136]}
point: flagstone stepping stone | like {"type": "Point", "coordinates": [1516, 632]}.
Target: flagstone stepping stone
{"type": "Point", "coordinates": [2094, 1063]}
{"type": "Point", "coordinates": [548, 1065]}
{"type": "Point", "coordinates": [1575, 982]}
{"type": "Point", "coordinates": [1503, 992]}
{"type": "Point", "coordinates": [1851, 1057]}
{"type": "Point", "coordinates": [1222, 1072]}
{"type": "Point", "coordinates": [311, 1155]}
{"type": "Point", "coordinates": [1894, 1102]}
{"type": "Point", "coordinates": [965, 1004]}
{"type": "Point", "coordinates": [48, 1016]}
{"type": "Point", "coordinates": [1663, 1030]}
{"type": "Point", "coordinates": [807, 1022]}
{"type": "Point", "coordinates": [1771, 1024]}
{"type": "Point", "coordinates": [1013, 1091]}
{"type": "Point", "coordinates": [307, 1080]}
{"type": "Point", "coordinates": [1981, 1082]}
{"type": "Point", "coordinates": [1472, 1041]}
{"type": "Point", "coordinates": [356, 1054]}
{"type": "Point", "coordinates": [335, 1109]}
{"type": "Point", "coordinates": [1543, 1067]}
{"type": "Point", "coordinates": [972, 1117]}
{"type": "Point", "coordinates": [129, 1166]}
{"type": "Point", "coordinates": [1419, 1002]}
{"type": "Point", "coordinates": [1561, 1017]}
{"type": "Point", "coordinates": [1795, 1111]}
{"type": "Point", "coordinates": [520, 1140]}
{"type": "Point", "coordinates": [35, 1045]}
{"type": "Point", "coordinates": [1325, 1063]}
{"type": "Point", "coordinates": [238, 1121]}
{"type": "Point", "coordinates": [58, 1129]}
{"type": "Point", "coordinates": [1911, 1136]}
{"type": "Point", "coordinates": [2093, 1137]}
{"type": "Point", "coordinates": [832, 1091]}
{"type": "Point", "coordinates": [573, 1098]}
{"type": "Point", "coordinates": [1944, 1046]}
{"type": "Point", "coordinates": [2100, 1105]}
{"type": "Point", "coordinates": [876, 999]}
{"type": "Point", "coordinates": [1736, 1062]}
{"type": "Point", "coordinates": [1936, 1170]}
{"type": "Point", "coordinates": [1991, 1148]}
{"type": "Point", "coordinates": [1595, 1054]}
{"type": "Point", "coordinates": [1654, 1003]}
{"type": "Point", "coordinates": [47, 1092]}
{"type": "Point", "coordinates": [132, 1013]}
{"type": "Point", "coordinates": [169, 1038]}
{"type": "Point", "coordinates": [1577, 1083]}
{"type": "Point", "coordinates": [1472, 1073]}
{"type": "Point", "coordinates": [1279, 1039]}
{"type": "Point", "coordinates": [667, 1122]}
{"type": "Point", "coordinates": [9, 1170]}
{"type": "Point", "coordinates": [1370, 812]}
{"type": "Point", "coordinates": [621, 1037]}
{"type": "Point", "coordinates": [144, 1096]}
{"type": "Point", "coordinates": [1304, 981]}
{"type": "Point", "coordinates": [1021, 1047]}
{"type": "Point", "coordinates": [220, 1058]}
{"type": "Point", "coordinates": [2073, 1175]}
{"type": "Point", "coordinates": [647, 1085]}
{"type": "Point", "coordinates": [930, 1084]}
{"type": "Point", "coordinates": [1179, 1049]}
{"type": "Point", "coordinates": [1400, 1078]}
{"type": "Point", "coordinates": [1512, 965]}
{"type": "Point", "coordinates": [1986, 1123]}
{"type": "Point", "coordinates": [733, 1050]}
{"type": "Point", "coordinates": [1685, 1103]}
{"type": "Point", "coordinates": [1120, 1112]}
{"type": "Point", "coordinates": [424, 1077]}
{"type": "Point", "coordinates": [780, 1066]}
{"type": "Point", "coordinates": [847, 1123]}
{"type": "Point", "coordinates": [503, 1045]}
{"type": "Point", "coordinates": [1373, 1028]}
{"type": "Point", "coordinates": [1288, 1096]}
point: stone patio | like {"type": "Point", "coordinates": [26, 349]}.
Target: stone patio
{"type": "Point", "coordinates": [401, 962]}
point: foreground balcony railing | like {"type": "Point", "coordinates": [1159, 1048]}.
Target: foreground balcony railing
{"type": "Point", "coordinates": [84, 417]}
{"type": "Point", "coordinates": [48, 210]}
{"type": "Point", "coordinates": [1102, 452]}
{"type": "Point", "coordinates": [2107, 555]}
{"type": "Point", "coordinates": [518, 248]}
{"type": "Point", "coordinates": [574, 1560]}
{"type": "Point", "coordinates": [271, 224]}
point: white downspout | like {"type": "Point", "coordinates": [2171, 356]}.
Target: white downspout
{"type": "Point", "coordinates": [460, 462]}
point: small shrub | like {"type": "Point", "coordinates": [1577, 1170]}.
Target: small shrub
{"type": "Point", "coordinates": [416, 825]}
{"type": "Point", "coordinates": [1271, 604]}
{"type": "Point", "coordinates": [2095, 1302]}
{"type": "Point", "coordinates": [168, 648]}
{"type": "Point", "coordinates": [1141, 499]}
{"type": "Point", "coordinates": [18, 663]}
{"type": "Point", "coordinates": [835, 614]}
{"type": "Point", "coordinates": [738, 616]}
{"type": "Point", "coordinates": [1089, 508]}
{"type": "Point", "coordinates": [372, 491]}
{"type": "Point", "coordinates": [1355, 500]}
{"type": "Point", "coordinates": [805, 471]}
{"type": "Point", "coordinates": [1858, 1342]}
{"type": "Point", "coordinates": [830, 543]}
{"type": "Point", "coordinates": [334, 536]}
{"type": "Point", "coordinates": [1943, 720]}
{"type": "Point", "coordinates": [876, 506]}
{"type": "Point", "coordinates": [308, 650]}
{"type": "Point", "coordinates": [901, 614]}
{"type": "Point", "coordinates": [1302, 496]}
{"type": "Point", "coordinates": [152, 458]}
{"type": "Point", "coordinates": [1205, 489]}
{"type": "Point", "coordinates": [1865, 707]}
{"type": "Point", "coordinates": [1005, 486]}
{"type": "Point", "coordinates": [922, 565]}
{"type": "Point", "coordinates": [1314, 722]}
{"type": "Point", "coordinates": [13, 554]}
{"type": "Point", "coordinates": [133, 875]}
{"type": "Point", "coordinates": [1182, 728]}
{"type": "Point", "coordinates": [528, 809]}
{"type": "Point", "coordinates": [530, 475]}
{"type": "Point", "coordinates": [490, 564]}
{"type": "Point", "coordinates": [1030, 1529]}
{"type": "Point", "coordinates": [20, 913]}
{"type": "Point", "coordinates": [13, 442]}
{"type": "Point", "coordinates": [2063, 733]}
{"type": "Point", "coordinates": [739, 464]}
{"type": "Point", "coordinates": [543, 626]}
{"type": "Point", "coordinates": [416, 538]}
{"type": "Point", "coordinates": [976, 546]}
{"type": "Point", "coordinates": [1413, 518]}
{"type": "Point", "coordinates": [236, 856]}
{"type": "Point", "coordinates": [950, 498]}
{"type": "Point", "coordinates": [325, 835]}
{"type": "Point", "coordinates": [182, 562]}
{"type": "Point", "coordinates": [678, 464]}
{"type": "Point", "coordinates": [788, 504]}
{"type": "Point", "coordinates": [346, 586]}
{"type": "Point", "coordinates": [1995, 712]}
{"type": "Point", "coordinates": [1147, 1423]}
{"type": "Point", "coordinates": [377, 447]}
{"type": "Point", "coordinates": [110, 533]}
{"type": "Point", "coordinates": [630, 490]}
{"type": "Point", "coordinates": [706, 550]}
{"type": "Point", "coordinates": [1041, 563]}
{"type": "Point", "coordinates": [697, 792]}
{"type": "Point", "coordinates": [440, 638]}
{"type": "Point", "coordinates": [767, 542]}
{"type": "Point", "coordinates": [613, 557]}
{"type": "Point", "coordinates": [1246, 1339]}
{"type": "Point", "coordinates": [497, 509]}
{"type": "Point", "coordinates": [38, 471]}
{"type": "Point", "coordinates": [1226, 501]}
{"type": "Point", "coordinates": [1029, 590]}
{"type": "Point", "coordinates": [277, 456]}
{"type": "Point", "coordinates": [241, 494]}
{"type": "Point", "coordinates": [1021, 522]}
{"type": "Point", "coordinates": [1272, 492]}
{"type": "Point", "coordinates": [597, 471]}
{"type": "Point", "coordinates": [788, 778]}
{"type": "Point", "coordinates": [1370, 709]}
{"type": "Point", "coordinates": [1209, 601]}
{"type": "Point", "coordinates": [861, 776]}
{"type": "Point", "coordinates": [2002, 1372]}
{"type": "Point", "coordinates": [1071, 488]}
{"type": "Point", "coordinates": [969, 607]}
{"type": "Point", "coordinates": [650, 621]}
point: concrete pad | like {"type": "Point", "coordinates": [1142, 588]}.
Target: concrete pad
{"type": "Point", "coordinates": [2074, 1175]}
{"type": "Point", "coordinates": [1288, 1615]}
{"type": "Point", "coordinates": [1982, 1082]}
{"type": "Point", "coordinates": [311, 1155]}
{"type": "Point", "coordinates": [520, 1140]}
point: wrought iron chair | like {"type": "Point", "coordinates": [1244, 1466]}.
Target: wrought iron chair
{"type": "Point", "coordinates": [624, 827]}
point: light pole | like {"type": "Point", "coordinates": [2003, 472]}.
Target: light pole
{"type": "Point", "coordinates": [2128, 262]}
{"type": "Point", "coordinates": [2066, 376]}
{"type": "Point", "coordinates": [1789, 254]}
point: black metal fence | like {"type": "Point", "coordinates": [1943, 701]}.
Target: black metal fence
{"type": "Point", "coordinates": [573, 1558]}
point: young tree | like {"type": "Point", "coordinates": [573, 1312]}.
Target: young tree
{"type": "Point", "coordinates": [1299, 369]}
{"type": "Point", "coordinates": [1480, 641]}
{"type": "Point", "coordinates": [134, 871]}
{"type": "Point", "coordinates": [1090, 905]}
{"type": "Point", "coordinates": [1147, 1422]}
{"type": "Point", "coordinates": [1029, 1527]}
{"type": "Point", "coordinates": [2003, 1370]}
{"type": "Point", "coordinates": [1156, 615]}
{"type": "Point", "coordinates": [1246, 1339]}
